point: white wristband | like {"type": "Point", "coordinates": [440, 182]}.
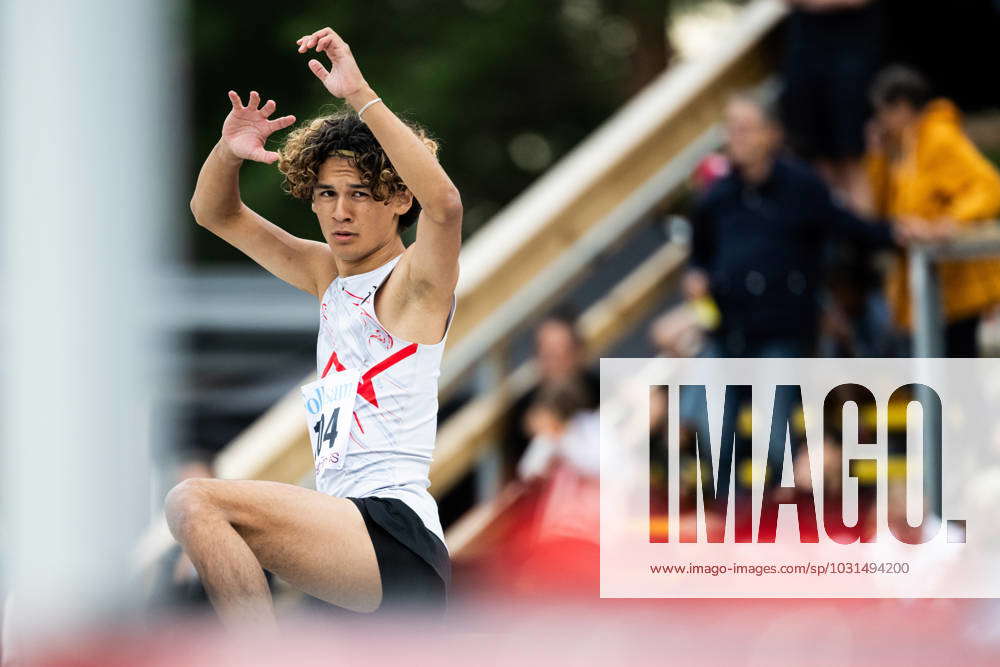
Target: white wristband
{"type": "Point", "coordinates": [365, 107]}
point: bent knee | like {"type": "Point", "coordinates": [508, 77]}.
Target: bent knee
{"type": "Point", "coordinates": [186, 503]}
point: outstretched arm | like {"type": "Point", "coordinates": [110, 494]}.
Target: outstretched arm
{"type": "Point", "coordinates": [217, 205]}
{"type": "Point", "coordinates": [833, 218]}
{"type": "Point", "coordinates": [433, 261]}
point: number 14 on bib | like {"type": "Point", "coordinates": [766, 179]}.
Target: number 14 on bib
{"type": "Point", "coordinates": [329, 407]}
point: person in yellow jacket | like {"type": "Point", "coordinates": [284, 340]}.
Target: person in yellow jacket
{"type": "Point", "coordinates": [927, 174]}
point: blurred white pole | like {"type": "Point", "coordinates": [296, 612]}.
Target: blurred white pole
{"type": "Point", "coordinates": [86, 118]}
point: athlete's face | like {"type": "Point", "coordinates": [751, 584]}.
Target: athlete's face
{"type": "Point", "coordinates": [353, 223]}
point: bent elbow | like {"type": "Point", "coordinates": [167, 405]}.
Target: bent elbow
{"type": "Point", "coordinates": [196, 211]}
{"type": "Point", "coordinates": [450, 208]}
{"type": "Point", "coordinates": [209, 216]}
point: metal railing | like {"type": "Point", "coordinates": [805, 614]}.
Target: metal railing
{"type": "Point", "coordinates": [925, 298]}
{"type": "Point", "coordinates": [928, 322]}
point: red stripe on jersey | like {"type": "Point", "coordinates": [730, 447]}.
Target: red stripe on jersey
{"type": "Point", "coordinates": [335, 362]}
{"type": "Point", "coordinates": [352, 294]}
{"type": "Point", "coordinates": [365, 388]}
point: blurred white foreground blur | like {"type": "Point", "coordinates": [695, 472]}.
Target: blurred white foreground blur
{"type": "Point", "coordinates": [86, 193]}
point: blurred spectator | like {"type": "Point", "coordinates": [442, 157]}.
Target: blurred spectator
{"type": "Point", "coordinates": [559, 354]}
{"type": "Point", "coordinates": [563, 429]}
{"type": "Point", "coordinates": [834, 50]}
{"type": "Point", "coordinates": [926, 172]}
{"type": "Point", "coordinates": [758, 240]}
{"type": "Point", "coordinates": [559, 351]}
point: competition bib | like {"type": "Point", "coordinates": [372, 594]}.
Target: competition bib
{"type": "Point", "coordinates": [329, 409]}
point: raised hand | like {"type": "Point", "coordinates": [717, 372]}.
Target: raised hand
{"type": "Point", "coordinates": [343, 79]}
{"type": "Point", "coordinates": [246, 128]}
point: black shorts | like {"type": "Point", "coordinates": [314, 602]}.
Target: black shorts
{"type": "Point", "coordinates": [413, 563]}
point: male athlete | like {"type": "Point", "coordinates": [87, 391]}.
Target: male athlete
{"type": "Point", "coordinates": [370, 537]}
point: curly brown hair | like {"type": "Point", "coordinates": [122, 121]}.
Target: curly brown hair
{"type": "Point", "coordinates": [343, 134]}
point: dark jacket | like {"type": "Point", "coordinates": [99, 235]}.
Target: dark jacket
{"type": "Point", "coordinates": [763, 249]}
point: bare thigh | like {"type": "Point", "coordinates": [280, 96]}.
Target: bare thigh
{"type": "Point", "coordinates": [317, 543]}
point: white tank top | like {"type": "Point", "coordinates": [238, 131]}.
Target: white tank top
{"type": "Point", "coordinates": [391, 442]}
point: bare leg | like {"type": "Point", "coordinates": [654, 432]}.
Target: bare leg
{"type": "Point", "coordinates": [232, 530]}
{"type": "Point", "coordinates": [228, 568]}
